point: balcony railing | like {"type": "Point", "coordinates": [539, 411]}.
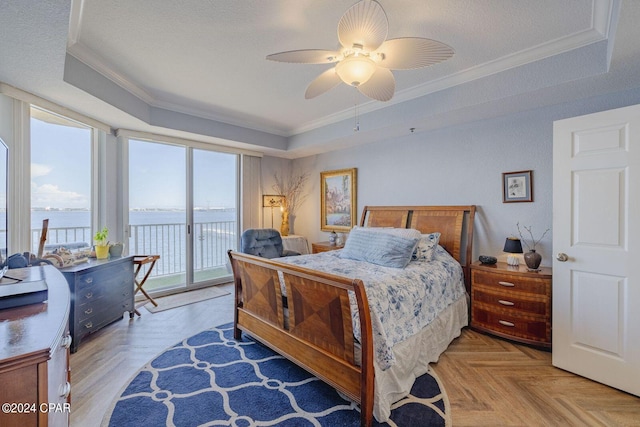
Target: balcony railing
{"type": "Point", "coordinates": [211, 242]}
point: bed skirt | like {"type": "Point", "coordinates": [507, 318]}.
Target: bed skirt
{"type": "Point", "coordinates": [414, 355]}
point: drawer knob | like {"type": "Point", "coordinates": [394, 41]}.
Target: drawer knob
{"type": "Point", "coordinates": [88, 311]}
{"type": "Point", "coordinates": [507, 284]}
{"type": "Point", "coordinates": [505, 323]}
{"type": "Point", "coordinates": [88, 280]}
{"type": "Point", "coordinates": [65, 390]}
{"type": "Point", "coordinates": [89, 295]}
{"type": "Point", "coordinates": [66, 341]}
{"type": "Point", "coordinates": [88, 325]}
{"type": "Point", "coordinates": [507, 303]}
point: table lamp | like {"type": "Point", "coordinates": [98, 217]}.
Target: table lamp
{"type": "Point", "coordinates": [513, 246]}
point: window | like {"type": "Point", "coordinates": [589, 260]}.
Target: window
{"type": "Point", "coordinates": [60, 181]}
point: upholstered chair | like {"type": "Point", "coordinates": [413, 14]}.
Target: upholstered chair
{"type": "Point", "coordinates": [264, 242]}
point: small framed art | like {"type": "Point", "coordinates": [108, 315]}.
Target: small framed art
{"type": "Point", "coordinates": [338, 200]}
{"type": "Point", "coordinates": [517, 187]}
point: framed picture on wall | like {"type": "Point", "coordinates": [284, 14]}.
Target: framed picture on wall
{"type": "Point", "coordinates": [338, 200]}
{"type": "Point", "coordinates": [517, 187]}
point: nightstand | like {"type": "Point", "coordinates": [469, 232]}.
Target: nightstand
{"type": "Point", "coordinates": [512, 302]}
{"type": "Point", "coordinates": [318, 247]}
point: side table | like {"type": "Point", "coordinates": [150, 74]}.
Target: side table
{"type": "Point", "coordinates": [296, 243]}
{"type": "Point", "coordinates": [512, 302]}
{"type": "Point", "coordinates": [318, 247]}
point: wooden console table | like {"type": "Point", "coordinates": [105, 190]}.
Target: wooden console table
{"type": "Point", "coordinates": [101, 291]}
{"type": "Point", "coordinates": [34, 356]}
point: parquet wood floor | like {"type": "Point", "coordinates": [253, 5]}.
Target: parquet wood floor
{"type": "Point", "coordinates": [490, 382]}
{"type": "Point", "coordinates": [493, 382]}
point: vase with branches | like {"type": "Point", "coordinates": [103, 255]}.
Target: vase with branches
{"type": "Point", "coordinates": [291, 187]}
{"type": "Point", "coordinates": [531, 258]}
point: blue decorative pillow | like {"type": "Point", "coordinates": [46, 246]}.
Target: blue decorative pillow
{"type": "Point", "coordinates": [426, 249]}
{"type": "Point", "coordinates": [379, 247]}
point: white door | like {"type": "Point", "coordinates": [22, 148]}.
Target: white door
{"type": "Point", "coordinates": [596, 223]}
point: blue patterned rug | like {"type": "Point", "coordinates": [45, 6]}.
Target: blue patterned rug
{"type": "Point", "coordinates": [211, 379]}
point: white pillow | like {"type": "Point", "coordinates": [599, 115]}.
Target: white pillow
{"type": "Point", "coordinates": [426, 249]}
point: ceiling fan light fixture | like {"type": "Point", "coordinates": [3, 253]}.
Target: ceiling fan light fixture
{"type": "Point", "coordinates": [367, 57]}
{"type": "Point", "coordinates": [356, 70]}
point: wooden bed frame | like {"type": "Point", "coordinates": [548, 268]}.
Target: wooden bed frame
{"type": "Point", "coordinates": [318, 335]}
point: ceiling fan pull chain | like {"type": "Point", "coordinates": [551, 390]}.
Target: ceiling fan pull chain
{"type": "Point", "coordinates": [356, 113]}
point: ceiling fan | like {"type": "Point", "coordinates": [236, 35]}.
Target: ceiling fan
{"type": "Point", "coordinates": [367, 57]}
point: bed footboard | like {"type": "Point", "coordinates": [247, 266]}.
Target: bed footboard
{"type": "Point", "coordinates": [318, 333]}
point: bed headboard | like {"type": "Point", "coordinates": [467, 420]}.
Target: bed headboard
{"type": "Point", "coordinates": [454, 223]}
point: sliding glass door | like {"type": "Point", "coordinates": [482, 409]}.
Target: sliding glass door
{"type": "Point", "coordinates": [183, 207]}
{"type": "Point", "coordinates": [158, 210]}
{"type": "Point", "coordinates": [215, 214]}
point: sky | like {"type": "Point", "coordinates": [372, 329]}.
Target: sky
{"type": "Point", "coordinates": [61, 172]}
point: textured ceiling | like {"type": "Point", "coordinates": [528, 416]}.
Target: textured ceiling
{"type": "Point", "coordinates": [198, 67]}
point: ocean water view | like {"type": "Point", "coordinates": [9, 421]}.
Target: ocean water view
{"type": "Point", "coordinates": [80, 218]}
{"type": "Point", "coordinates": [157, 232]}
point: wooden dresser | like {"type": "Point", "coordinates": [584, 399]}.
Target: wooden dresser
{"type": "Point", "coordinates": [318, 247]}
{"type": "Point", "coordinates": [101, 291]}
{"type": "Point", "coordinates": [512, 302]}
{"type": "Point", "coordinates": [34, 357]}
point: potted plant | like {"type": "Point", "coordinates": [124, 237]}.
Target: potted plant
{"type": "Point", "coordinates": [102, 244]}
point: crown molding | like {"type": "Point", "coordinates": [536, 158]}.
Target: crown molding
{"type": "Point", "coordinates": [601, 26]}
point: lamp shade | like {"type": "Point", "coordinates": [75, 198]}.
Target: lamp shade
{"type": "Point", "coordinates": [356, 70]}
{"type": "Point", "coordinates": [272, 200]}
{"type": "Point", "coordinates": [513, 245]}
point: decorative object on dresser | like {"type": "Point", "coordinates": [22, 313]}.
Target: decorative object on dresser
{"type": "Point", "coordinates": [512, 302]}
{"type": "Point", "coordinates": [487, 259]}
{"type": "Point", "coordinates": [517, 186]}
{"type": "Point", "coordinates": [532, 258]}
{"type": "Point", "coordinates": [34, 356]}
{"type": "Point", "coordinates": [115, 250]}
{"type": "Point", "coordinates": [333, 236]}
{"type": "Point", "coordinates": [102, 244]}
{"type": "Point", "coordinates": [101, 291]}
{"type": "Point", "coordinates": [338, 200]}
{"type": "Point", "coordinates": [513, 246]}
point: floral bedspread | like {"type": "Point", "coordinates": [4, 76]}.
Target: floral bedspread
{"type": "Point", "coordinates": [401, 301]}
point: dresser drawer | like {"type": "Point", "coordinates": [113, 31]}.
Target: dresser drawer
{"type": "Point", "coordinates": [512, 301]}
{"type": "Point", "coordinates": [89, 310]}
{"type": "Point", "coordinates": [88, 295]}
{"type": "Point", "coordinates": [512, 325]}
{"type": "Point", "coordinates": [514, 283]}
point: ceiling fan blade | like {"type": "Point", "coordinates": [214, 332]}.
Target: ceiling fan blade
{"type": "Point", "coordinates": [381, 86]}
{"type": "Point", "coordinates": [306, 56]}
{"type": "Point", "coordinates": [321, 84]}
{"type": "Point", "coordinates": [413, 52]}
{"type": "Point", "coordinates": [365, 24]}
